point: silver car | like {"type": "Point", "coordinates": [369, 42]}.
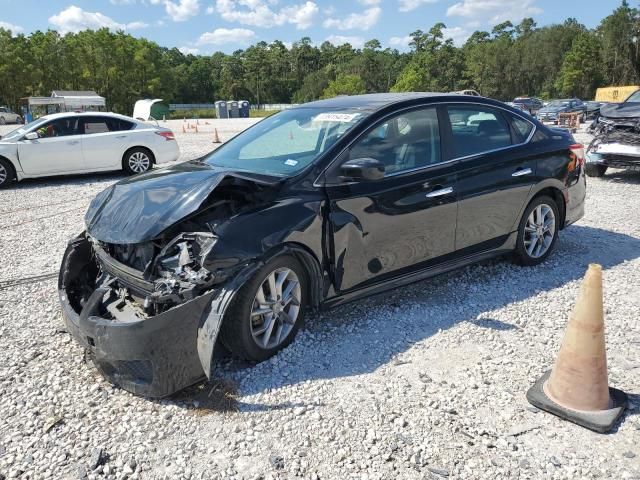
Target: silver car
{"type": "Point", "coordinates": [7, 116]}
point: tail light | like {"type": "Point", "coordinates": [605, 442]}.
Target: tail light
{"type": "Point", "coordinates": [167, 134]}
{"type": "Point", "coordinates": [577, 156]}
{"type": "Point", "coordinates": [578, 151]}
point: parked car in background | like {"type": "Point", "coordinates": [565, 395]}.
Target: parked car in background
{"type": "Point", "coordinates": [616, 141]}
{"type": "Point", "coordinates": [529, 104]}
{"type": "Point", "coordinates": [9, 116]}
{"type": "Point", "coordinates": [470, 92]}
{"type": "Point", "coordinates": [549, 113]}
{"type": "Point", "coordinates": [593, 108]}
{"type": "Point", "coordinates": [65, 143]}
{"type": "Point", "coordinates": [518, 106]}
{"type": "Point", "coordinates": [317, 205]}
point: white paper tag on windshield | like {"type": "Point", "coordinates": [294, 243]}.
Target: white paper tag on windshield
{"type": "Point", "coordinates": [335, 117]}
{"type": "Point", "coordinates": [291, 163]}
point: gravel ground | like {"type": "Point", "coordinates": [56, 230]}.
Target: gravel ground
{"type": "Point", "coordinates": [428, 381]}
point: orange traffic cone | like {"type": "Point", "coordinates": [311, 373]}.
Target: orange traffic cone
{"type": "Point", "coordinates": [577, 389]}
{"type": "Point", "coordinates": [216, 138]}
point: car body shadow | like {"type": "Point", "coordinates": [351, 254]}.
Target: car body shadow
{"type": "Point", "coordinates": [622, 176]}
{"type": "Point", "coordinates": [361, 337]}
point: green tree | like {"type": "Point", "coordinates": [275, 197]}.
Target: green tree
{"type": "Point", "coordinates": [580, 74]}
{"type": "Point", "coordinates": [345, 84]}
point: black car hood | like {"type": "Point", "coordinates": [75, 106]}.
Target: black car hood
{"type": "Point", "coordinates": [140, 208]}
{"type": "Point", "coordinates": [621, 110]}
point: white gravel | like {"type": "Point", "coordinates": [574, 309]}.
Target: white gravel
{"type": "Point", "coordinates": [428, 381]}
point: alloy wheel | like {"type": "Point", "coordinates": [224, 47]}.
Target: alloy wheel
{"type": "Point", "coordinates": [539, 231]}
{"type": "Point", "coordinates": [275, 308]}
{"type": "Point", "coordinates": [139, 162]}
{"type": "Point", "coordinates": [3, 174]}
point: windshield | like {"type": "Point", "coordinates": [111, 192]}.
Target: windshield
{"type": "Point", "coordinates": [559, 103]}
{"type": "Point", "coordinates": [21, 130]}
{"type": "Point", "coordinates": [634, 97]}
{"type": "Point", "coordinates": [287, 142]}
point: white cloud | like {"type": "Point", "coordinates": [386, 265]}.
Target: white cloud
{"type": "Point", "coordinates": [181, 10]}
{"type": "Point", "coordinates": [337, 40]}
{"type": "Point", "coordinates": [494, 11]}
{"type": "Point", "coordinates": [259, 13]}
{"type": "Point", "coordinates": [369, 3]}
{"type": "Point", "coordinates": [353, 21]}
{"type": "Point", "coordinates": [408, 5]}
{"type": "Point", "coordinates": [14, 28]}
{"type": "Point", "coordinates": [189, 50]}
{"type": "Point", "coordinates": [400, 41]}
{"type": "Point", "coordinates": [211, 10]}
{"type": "Point", "coordinates": [459, 35]}
{"type": "Point", "coordinates": [122, 2]}
{"type": "Point", "coordinates": [226, 35]}
{"type": "Point", "coordinates": [75, 19]}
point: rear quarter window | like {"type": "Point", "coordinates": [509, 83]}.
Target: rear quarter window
{"type": "Point", "coordinates": [522, 128]}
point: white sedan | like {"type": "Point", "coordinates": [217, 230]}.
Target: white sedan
{"type": "Point", "coordinates": [69, 143]}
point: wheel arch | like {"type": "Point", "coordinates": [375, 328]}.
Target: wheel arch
{"type": "Point", "coordinates": [143, 147]}
{"type": "Point", "coordinates": [310, 263]}
{"type": "Point", "coordinates": [556, 194]}
{"type": "Point", "coordinates": [552, 190]}
{"type": "Point", "coordinates": [14, 170]}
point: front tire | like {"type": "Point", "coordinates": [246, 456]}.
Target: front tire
{"type": "Point", "coordinates": [137, 160]}
{"type": "Point", "coordinates": [7, 175]}
{"type": "Point", "coordinates": [595, 170]}
{"type": "Point", "coordinates": [537, 232]}
{"type": "Point", "coordinates": [267, 310]}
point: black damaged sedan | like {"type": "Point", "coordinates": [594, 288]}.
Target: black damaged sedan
{"type": "Point", "coordinates": [321, 204]}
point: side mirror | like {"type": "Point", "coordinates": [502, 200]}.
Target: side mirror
{"type": "Point", "coordinates": [362, 169]}
{"type": "Point", "coordinates": [31, 136]}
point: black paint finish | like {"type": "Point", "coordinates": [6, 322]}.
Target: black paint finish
{"type": "Point", "coordinates": [355, 238]}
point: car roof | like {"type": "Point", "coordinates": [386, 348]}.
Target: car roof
{"type": "Point", "coordinates": [374, 101]}
{"type": "Point", "coordinates": [53, 116]}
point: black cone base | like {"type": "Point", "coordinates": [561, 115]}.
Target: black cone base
{"type": "Point", "coordinates": [599, 421]}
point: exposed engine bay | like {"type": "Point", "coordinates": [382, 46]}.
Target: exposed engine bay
{"type": "Point", "coordinates": [148, 278]}
{"type": "Point", "coordinates": [616, 141]}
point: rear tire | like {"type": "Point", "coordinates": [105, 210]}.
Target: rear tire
{"type": "Point", "coordinates": [595, 170]}
{"type": "Point", "coordinates": [538, 231]}
{"type": "Point", "coordinates": [7, 174]}
{"type": "Point", "coordinates": [249, 334]}
{"type": "Point", "coordinates": [137, 160]}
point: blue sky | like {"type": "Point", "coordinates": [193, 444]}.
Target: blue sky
{"type": "Point", "coordinates": [205, 26]}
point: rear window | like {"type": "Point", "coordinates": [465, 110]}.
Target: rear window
{"type": "Point", "coordinates": [93, 125]}
{"type": "Point", "coordinates": [477, 129]}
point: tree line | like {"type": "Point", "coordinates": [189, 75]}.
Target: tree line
{"type": "Point", "coordinates": [558, 60]}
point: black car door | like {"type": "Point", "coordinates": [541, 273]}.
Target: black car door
{"type": "Point", "coordinates": [495, 175]}
{"type": "Point", "coordinates": [401, 222]}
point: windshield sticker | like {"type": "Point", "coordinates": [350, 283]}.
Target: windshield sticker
{"type": "Point", "coordinates": [291, 163]}
{"type": "Point", "coordinates": [336, 117]}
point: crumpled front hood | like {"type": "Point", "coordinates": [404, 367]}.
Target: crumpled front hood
{"type": "Point", "coordinates": [621, 110]}
{"type": "Point", "coordinates": [140, 208]}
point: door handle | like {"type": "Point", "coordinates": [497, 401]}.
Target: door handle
{"type": "Point", "coordinates": [121, 136]}
{"type": "Point", "coordinates": [440, 192]}
{"type": "Point", "coordinates": [73, 142]}
{"type": "Point", "coordinates": [521, 172]}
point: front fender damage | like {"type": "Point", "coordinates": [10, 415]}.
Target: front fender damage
{"type": "Point", "coordinates": [149, 355]}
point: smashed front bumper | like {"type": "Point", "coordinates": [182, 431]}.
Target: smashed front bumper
{"type": "Point", "coordinates": [616, 155]}
{"type": "Point", "coordinates": [152, 357]}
